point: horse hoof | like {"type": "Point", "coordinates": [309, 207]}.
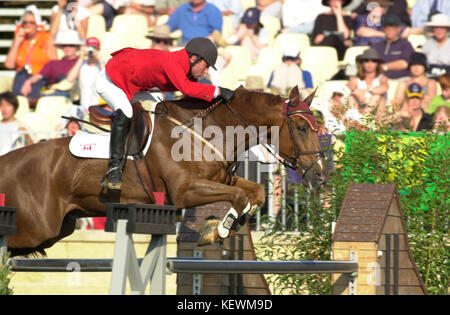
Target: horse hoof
{"type": "Point", "coordinates": [208, 232]}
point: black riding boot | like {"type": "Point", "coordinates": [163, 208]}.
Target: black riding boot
{"type": "Point", "coordinates": [119, 131]}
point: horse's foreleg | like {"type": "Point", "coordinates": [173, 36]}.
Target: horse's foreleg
{"type": "Point", "coordinates": [203, 191]}
{"type": "Point", "coordinates": [255, 193]}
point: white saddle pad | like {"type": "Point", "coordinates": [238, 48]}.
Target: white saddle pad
{"type": "Point", "coordinates": [96, 146]}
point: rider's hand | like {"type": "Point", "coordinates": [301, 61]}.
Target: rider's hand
{"type": "Point", "coordinates": [226, 94]}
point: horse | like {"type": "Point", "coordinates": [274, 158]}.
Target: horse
{"type": "Point", "coordinates": [51, 188]}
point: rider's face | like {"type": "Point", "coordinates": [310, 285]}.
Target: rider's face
{"type": "Point", "coordinates": [200, 69]}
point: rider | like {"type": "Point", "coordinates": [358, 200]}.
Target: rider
{"type": "Point", "coordinates": [131, 70]}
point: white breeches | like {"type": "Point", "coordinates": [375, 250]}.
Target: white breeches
{"type": "Point", "coordinates": [113, 95]}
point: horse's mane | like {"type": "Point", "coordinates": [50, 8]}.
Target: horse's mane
{"type": "Point", "coordinates": [242, 94]}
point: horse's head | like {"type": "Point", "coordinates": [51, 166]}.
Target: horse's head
{"type": "Point", "coordinates": [299, 141]}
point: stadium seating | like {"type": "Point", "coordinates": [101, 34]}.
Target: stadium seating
{"type": "Point", "coordinates": [96, 26]}
{"type": "Point", "coordinates": [240, 61]}
{"type": "Point", "coordinates": [301, 41]}
{"type": "Point", "coordinates": [24, 107]}
{"type": "Point", "coordinates": [272, 25]}
{"type": "Point", "coordinates": [322, 62]}
{"type": "Point", "coordinates": [269, 57]}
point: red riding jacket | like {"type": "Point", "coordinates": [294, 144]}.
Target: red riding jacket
{"type": "Point", "coordinates": [135, 70]}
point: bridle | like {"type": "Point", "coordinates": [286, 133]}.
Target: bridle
{"type": "Point", "coordinates": [293, 161]}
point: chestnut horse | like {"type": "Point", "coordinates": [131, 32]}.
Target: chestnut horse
{"type": "Point", "coordinates": [51, 188]}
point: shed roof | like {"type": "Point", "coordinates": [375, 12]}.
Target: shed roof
{"type": "Point", "coordinates": [364, 212]}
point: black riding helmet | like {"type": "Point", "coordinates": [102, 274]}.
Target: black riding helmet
{"type": "Point", "coordinates": [204, 48]}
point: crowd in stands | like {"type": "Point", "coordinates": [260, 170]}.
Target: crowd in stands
{"type": "Point", "coordinates": [60, 58]}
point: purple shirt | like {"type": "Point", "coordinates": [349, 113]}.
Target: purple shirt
{"type": "Point", "coordinates": [54, 70]}
{"type": "Point", "coordinates": [399, 49]}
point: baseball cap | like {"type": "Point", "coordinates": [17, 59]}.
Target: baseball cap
{"type": "Point", "coordinates": [93, 42]}
{"type": "Point", "coordinates": [251, 16]}
{"type": "Point", "coordinates": [414, 90]}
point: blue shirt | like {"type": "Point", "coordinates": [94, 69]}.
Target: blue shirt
{"type": "Point", "coordinates": [423, 8]}
{"type": "Point", "coordinates": [195, 24]}
{"type": "Point", "coordinates": [307, 79]}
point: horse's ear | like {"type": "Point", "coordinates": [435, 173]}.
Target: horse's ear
{"type": "Point", "coordinates": [294, 96]}
{"type": "Point", "coordinates": [310, 98]}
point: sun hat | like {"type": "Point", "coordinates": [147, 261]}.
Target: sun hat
{"type": "Point", "coordinates": [69, 37]}
{"type": "Point", "coordinates": [254, 82]}
{"type": "Point", "coordinates": [438, 20]}
{"type": "Point", "coordinates": [369, 54]}
{"type": "Point", "coordinates": [390, 20]}
{"type": "Point", "coordinates": [327, 3]}
{"type": "Point", "coordinates": [160, 32]}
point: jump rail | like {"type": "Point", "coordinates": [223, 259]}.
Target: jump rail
{"type": "Point", "coordinates": [199, 266]}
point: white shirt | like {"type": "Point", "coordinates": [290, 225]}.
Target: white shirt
{"type": "Point", "coordinates": [228, 5]}
{"type": "Point", "coordinates": [88, 96]}
{"type": "Point", "coordinates": [9, 138]}
{"type": "Point", "coordinates": [437, 55]}
{"type": "Point", "coordinates": [296, 12]}
{"type": "Point", "coordinates": [66, 21]}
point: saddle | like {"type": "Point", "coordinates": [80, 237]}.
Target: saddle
{"type": "Point", "coordinates": [140, 129]}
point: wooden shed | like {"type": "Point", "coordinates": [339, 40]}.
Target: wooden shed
{"type": "Point", "coordinates": [238, 247]}
{"type": "Point", "coordinates": [371, 226]}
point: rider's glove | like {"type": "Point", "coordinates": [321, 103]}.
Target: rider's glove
{"type": "Point", "coordinates": [226, 94]}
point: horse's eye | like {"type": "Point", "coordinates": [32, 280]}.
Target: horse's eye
{"type": "Point", "coordinates": [301, 128]}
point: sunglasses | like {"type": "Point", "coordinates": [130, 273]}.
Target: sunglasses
{"type": "Point", "coordinates": [28, 22]}
{"type": "Point", "coordinates": [370, 60]}
{"type": "Point", "coordinates": [165, 41]}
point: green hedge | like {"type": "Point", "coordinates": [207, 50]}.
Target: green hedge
{"type": "Point", "coordinates": [417, 163]}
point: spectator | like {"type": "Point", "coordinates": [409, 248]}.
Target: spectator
{"type": "Point", "coordinates": [108, 9]}
{"type": "Point", "coordinates": [417, 67]}
{"type": "Point", "coordinates": [289, 74]}
{"type": "Point", "coordinates": [56, 70]}
{"type": "Point", "coordinates": [31, 49]}
{"type": "Point", "coordinates": [423, 10]}
{"type": "Point", "coordinates": [437, 49]}
{"type": "Point", "coordinates": [412, 117]}
{"type": "Point", "coordinates": [161, 37]}
{"type": "Point", "coordinates": [370, 86]}
{"type": "Point", "coordinates": [441, 116]}
{"type": "Point", "coordinates": [250, 33]}
{"type": "Point", "coordinates": [368, 29]}
{"type": "Point", "coordinates": [254, 83]}
{"type": "Point", "coordinates": [333, 28]}
{"type": "Point", "coordinates": [298, 16]}
{"type": "Point", "coordinates": [167, 7]}
{"type": "Point", "coordinates": [196, 19]}
{"type": "Point", "coordinates": [10, 139]}
{"type": "Point", "coordinates": [230, 8]}
{"type": "Point", "coordinates": [142, 7]}
{"type": "Point", "coordinates": [270, 7]}
{"type": "Point", "coordinates": [68, 15]}
{"type": "Point", "coordinates": [398, 8]}
{"type": "Point", "coordinates": [86, 69]}
{"type": "Point", "coordinates": [395, 51]}
{"type": "Point", "coordinates": [444, 98]}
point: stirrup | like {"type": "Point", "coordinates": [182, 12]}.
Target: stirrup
{"type": "Point", "coordinates": [105, 183]}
